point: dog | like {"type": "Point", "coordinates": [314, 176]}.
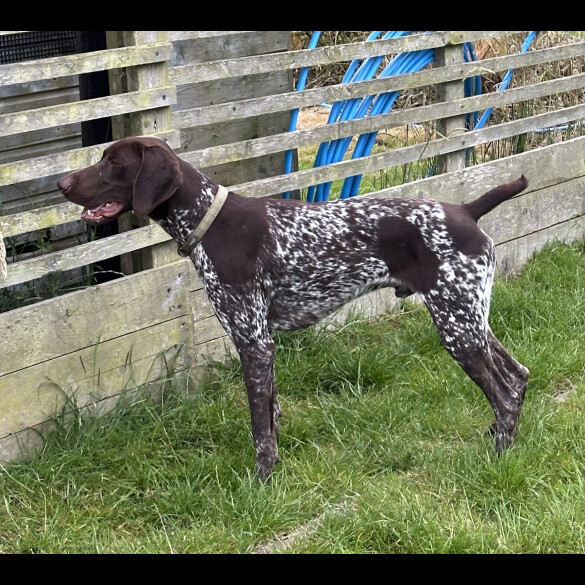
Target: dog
{"type": "Point", "coordinates": [279, 264]}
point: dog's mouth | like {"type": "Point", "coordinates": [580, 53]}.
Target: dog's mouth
{"type": "Point", "coordinates": [105, 212]}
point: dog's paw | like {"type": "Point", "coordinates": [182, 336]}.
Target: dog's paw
{"type": "Point", "coordinates": [264, 466]}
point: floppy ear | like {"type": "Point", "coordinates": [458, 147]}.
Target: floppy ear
{"type": "Point", "coordinates": [158, 178]}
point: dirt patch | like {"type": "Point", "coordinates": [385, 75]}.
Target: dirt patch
{"type": "Point", "coordinates": [312, 116]}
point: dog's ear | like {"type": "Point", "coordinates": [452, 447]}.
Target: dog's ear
{"type": "Point", "coordinates": [158, 178]}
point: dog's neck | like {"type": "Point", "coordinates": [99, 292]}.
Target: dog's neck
{"type": "Point", "coordinates": [183, 212]}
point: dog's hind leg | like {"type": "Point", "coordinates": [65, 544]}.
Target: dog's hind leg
{"type": "Point", "coordinates": [258, 370]}
{"type": "Point", "coordinates": [465, 333]}
{"type": "Point", "coordinates": [515, 373]}
{"type": "Point", "coordinates": [503, 397]}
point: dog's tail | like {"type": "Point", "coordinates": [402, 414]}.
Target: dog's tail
{"type": "Point", "coordinates": [493, 198]}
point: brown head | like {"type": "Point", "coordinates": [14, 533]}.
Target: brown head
{"type": "Point", "coordinates": [137, 173]}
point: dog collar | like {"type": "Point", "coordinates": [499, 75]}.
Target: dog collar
{"type": "Point", "coordinates": [198, 233]}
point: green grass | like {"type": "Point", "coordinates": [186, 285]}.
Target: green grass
{"type": "Point", "coordinates": [383, 446]}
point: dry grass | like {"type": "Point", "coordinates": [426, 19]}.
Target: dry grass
{"type": "Point", "coordinates": [485, 49]}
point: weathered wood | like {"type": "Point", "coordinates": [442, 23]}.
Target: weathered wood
{"type": "Point", "coordinates": [181, 35]}
{"type": "Point", "coordinates": [31, 100]}
{"type": "Point", "coordinates": [18, 91]}
{"type": "Point", "coordinates": [215, 155]}
{"type": "Point", "coordinates": [17, 147]}
{"type": "Point", "coordinates": [12, 225]}
{"type": "Point", "coordinates": [235, 89]}
{"type": "Point", "coordinates": [538, 209]}
{"type": "Point", "coordinates": [22, 444]}
{"type": "Point", "coordinates": [512, 255]}
{"type": "Point", "coordinates": [85, 62]}
{"type": "Point", "coordinates": [545, 167]}
{"type": "Point", "coordinates": [449, 126]}
{"type": "Point", "coordinates": [25, 170]}
{"type": "Point", "coordinates": [88, 374]}
{"type": "Point", "coordinates": [95, 315]}
{"type": "Point", "coordinates": [149, 75]}
{"type": "Point", "coordinates": [86, 110]}
{"type": "Point", "coordinates": [148, 323]}
{"type": "Point", "coordinates": [141, 79]}
{"type": "Point", "coordinates": [194, 48]}
{"type": "Point", "coordinates": [323, 55]}
{"type": "Point", "coordinates": [84, 254]}
{"type": "Point", "coordinates": [65, 162]}
{"type": "Point", "coordinates": [384, 160]}
{"type": "Point", "coordinates": [310, 97]}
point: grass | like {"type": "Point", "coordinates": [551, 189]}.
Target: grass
{"type": "Point", "coordinates": [383, 447]}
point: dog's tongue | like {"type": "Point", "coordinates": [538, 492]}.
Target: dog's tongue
{"type": "Point", "coordinates": [105, 212]}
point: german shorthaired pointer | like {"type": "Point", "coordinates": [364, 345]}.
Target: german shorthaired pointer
{"type": "Point", "coordinates": [272, 264]}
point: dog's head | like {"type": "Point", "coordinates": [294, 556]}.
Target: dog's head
{"type": "Point", "coordinates": [137, 173]}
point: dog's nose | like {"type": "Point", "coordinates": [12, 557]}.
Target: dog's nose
{"type": "Point", "coordinates": [64, 184]}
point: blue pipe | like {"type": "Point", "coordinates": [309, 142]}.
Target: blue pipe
{"type": "Point", "coordinates": [288, 155]}
{"type": "Point", "coordinates": [335, 150]}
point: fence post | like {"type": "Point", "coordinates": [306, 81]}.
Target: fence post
{"type": "Point", "coordinates": [139, 124]}
{"type": "Point", "coordinates": [446, 92]}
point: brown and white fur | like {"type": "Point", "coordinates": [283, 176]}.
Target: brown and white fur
{"type": "Point", "coordinates": [270, 264]}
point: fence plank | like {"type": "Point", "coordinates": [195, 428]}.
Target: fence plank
{"type": "Point", "coordinates": [538, 209]}
{"type": "Point", "coordinates": [221, 69]}
{"type": "Point", "coordinates": [70, 160]}
{"type": "Point", "coordinates": [65, 162]}
{"type": "Point", "coordinates": [76, 64]}
{"type": "Point", "coordinates": [216, 155]}
{"type": "Point", "coordinates": [50, 116]}
{"type": "Point", "coordinates": [310, 97]}
{"type": "Point", "coordinates": [97, 314]}
{"type": "Point", "coordinates": [87, 375]}
{"type": "Point", "coordinates": [383, 160]}
{"type": "Point", "coordinates": [84, 254]}
{"type": "Point", "coordinates": [449, 126]}
{"type": "Point", "coordinates": [512, 255]}
{"type": "Point", "coordinates": [183, 35]}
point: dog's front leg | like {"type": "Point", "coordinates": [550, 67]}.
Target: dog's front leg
{"type": "Point", "coordinates": [258, 370]}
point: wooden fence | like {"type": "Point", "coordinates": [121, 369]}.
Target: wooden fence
{"type": "Point", "coordinates": [223, 100]}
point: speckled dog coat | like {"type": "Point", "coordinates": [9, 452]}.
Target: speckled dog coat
{"type": "Point", "coordinates": [270, 264]}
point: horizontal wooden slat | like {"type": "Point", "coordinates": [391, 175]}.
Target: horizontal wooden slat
{"type": "Point", "coordinates": [65, 162]}
{"type": "Point", "coordinates": [114, 383]}
{"type": "Point", "coordinates": [183, 35]}
{"type": "Point", "coordinates": [26, 170]}
{"type": "Point", "coordinates": [383, 160]}
{"type": "Point", "coordinates": [95, 315]}
{"type": "Point", "coordinates": [309, 97]}
{"type": "Point", "coordinates": [289, 140]}
{"type": "Point", "coordinates": [76, 64]}
{"type": "Point", "coordinates": [512, 255]}
{"type": "Point", "coordinates": [152, 234]}
{"type": "Point", "coordinates": [84, 254]}
{"type": "Point", "coordinates": [38, 393]}
{"type": "Point", "coordinates": [135, 101]}
{"type": "Point", "coordinates": [221, 69]}
{"type": "Point", "coordinates": [548, 166]}
{"type": "Point", "coordinates": [41, 218]}
{"type": "Point", "coordinates": [537, 209]}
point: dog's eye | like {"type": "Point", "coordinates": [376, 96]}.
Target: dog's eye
{"type": "Point", "coordinates": [113, 163]}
